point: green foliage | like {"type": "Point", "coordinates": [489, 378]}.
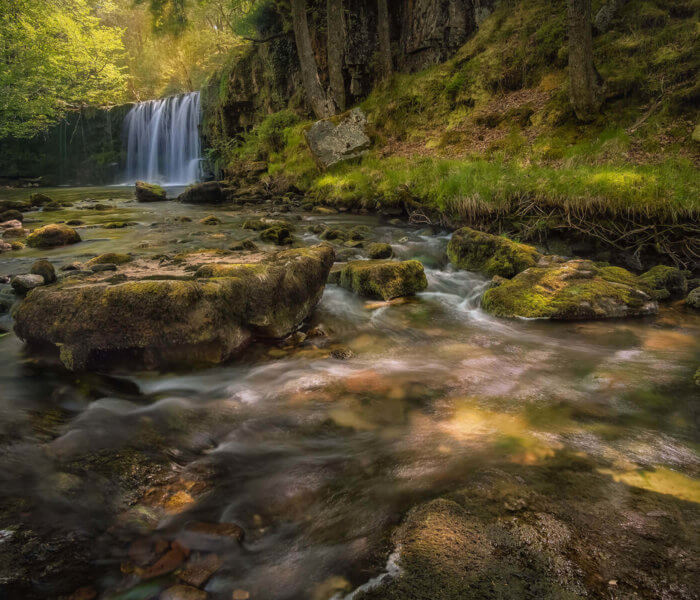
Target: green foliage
{"type": "Point", "coordinates": [268, 137]}
{"type": "Point", "coordinates": [54, 54]}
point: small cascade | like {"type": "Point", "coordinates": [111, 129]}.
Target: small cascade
{"type": "Point", "coordinates": [162, 141]}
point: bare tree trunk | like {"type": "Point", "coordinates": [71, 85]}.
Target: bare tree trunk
{"type": "Point", "coordinates": [384, 35]}
{"type": "Point", "coordinates": [336, 50]}
{"type": "Point", "coordinates": [319, 101]}
{"type": "Point", "coordinates": [585, 89]}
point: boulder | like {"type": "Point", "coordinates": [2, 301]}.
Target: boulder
{"type": "Point", "coordinates": [23, 284]}
{"type": "Point", "coordinates": [148, 192]}
{"type": "Point", "coordinates": [11, 215]}
{"type": "Point", "coordinates": [693, 299]}
{"type": "Point", "coordinates": [489, 254]}
{"type": "Point", "coordinates": [161, 322]}
{"type": "Point", "coordinates": [5, 247]}
{"type": "Point", "coordinates": [14, 233]}
{"type": "Point", "coordinates": [209, 192]}
{"type": "Point", "coordinates": [668, 282]}
{"type": "Point", "coordinates": [109, 258]}
{"type": "Point", "coordinates": [280, 235]}
{"type": "Point", "coordinates": [51, 236]}
{"type": "Point", "coordinates": [381, 279]}
{"type": "Point", "coordinates": [262, 224]}
{"type": "Point", "coordinates": [44, 268]}
{"type": "Point", "coordinates": [331, 144]}
{"type": "Point", "coordinates": [379, 250]}
{"type": "Point", "coordinates": [574, 290]}
{"type": "Point", "coordinates": [210, 220]}
{"type": "Point", "coordinates": [39, 199]}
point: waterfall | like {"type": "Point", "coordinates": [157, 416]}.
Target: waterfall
{"type": "Point", "coordinates": [162, 140]}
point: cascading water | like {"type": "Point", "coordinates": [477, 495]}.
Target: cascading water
{"type": "Point", "coordinates": [162, 140]}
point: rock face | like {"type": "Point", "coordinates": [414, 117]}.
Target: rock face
{"type": "Point", "coordinates": [51, 236]}
{"type": "Point", "coordinates": [490, 254]}
{"type": "Point", "coordinates": [331, 144]}
{"type": "Point", "coordinates": [574, 290]}
{"type": "Point", "coordinates": [161, 322]}
{"type": "Point", "coordinates": [149, 192]}
{"type": "Point", "coordinates": [382, 279]}
{"type": "Point", "coordinates": [210, 192]}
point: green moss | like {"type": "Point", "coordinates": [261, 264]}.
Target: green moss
{"type": "Point", "coordinates": [490, 254]}
{"type": "Point", "coordinates": [52, 235]}
{"type": "Point", "coordinates": [110, 258]}
{"type": "Point", "coordinates": [666, 281]}
{"type": "Point", "coordinates": [571, 291]}
{"type": "Point", "coordinates": [380, 250]}
{"type": "Point", "coordinates": [381, 279]}
{"type": "Point", "coordinates": [279, 235]}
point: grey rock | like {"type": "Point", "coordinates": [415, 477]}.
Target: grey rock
{"type": "Point", "coordinates": [331, 144]}
{"type": "Point", "coordinates": [604, 17]}
{"type": "Point", "coordinates": [23, 284]}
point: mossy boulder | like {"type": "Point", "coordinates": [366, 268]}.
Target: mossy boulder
{"type": "Point", "coordinates": [280, 235]}
{"type": "Point", "coordinates": [693, 299]}
{"type": "Point", "coordinates": [490, 254]}
{"type": "Point", "coordinates": [380, 250]}
{"type": "Point", "coordinates": [209, 192]}
{"type": "Point", "coordinates": [44, 268]}
{"type": "Point", "coordinates": [52, 236]}
{"type": "Point", "coordinates": [11, 215]}
{"type": "Point", "coordinates": [210, 220]}
{"type": "Point", "coordinates": [668, 282]}
{"type": "Point", "coordinates": [262, 224]}
{"type": "Point", "coordinates": [39, 199]}
{"type": "Point", "coordinates": [162, 322]}
{"type": "Point", "coordinates": [574, 290]}
{"type": "Point", "coordinates": [109, 258]}
{"type": "Point", "coordinates": [149, 192]}
{"type": "Point", "coordinates": [333, 235]}
{"type": "Point", "coordinates": [381, 279]}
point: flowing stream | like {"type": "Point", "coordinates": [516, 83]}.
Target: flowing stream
{"type": "Point", "coordinates": [162, 140]}
{"type": "Point", "coordinates": [319, 458]}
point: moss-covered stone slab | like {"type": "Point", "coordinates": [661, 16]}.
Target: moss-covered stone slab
{"type": "Point", "coordinates": [161, 322]}
{"type": "Point", "coordinates": [52, 236]}
{"type": "Point", "coordinates": [149, 192]}
{"type": "Point", "coordinates": [490, 254]}
{"type": "Point", "coordinates": [382, 279]}
{"type": "Point", "coordinates": [574, 290]}
{"type": "Point", "coordinates": [209, 192]}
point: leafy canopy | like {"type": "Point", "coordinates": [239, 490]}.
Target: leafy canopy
{"type": "Point", "coordinates": [54, 55]}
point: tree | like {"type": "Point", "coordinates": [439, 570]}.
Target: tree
{"type": "Point", "coordinates": [584, 81]}
{"type": "Point", "coordinates": [321, 104]}
{"type": "Point", "coordinates": [384, 35]}
{"type": "Point", "coordinates": [336, 50]}
{"type": "Point", "coordinates": [54, 55]}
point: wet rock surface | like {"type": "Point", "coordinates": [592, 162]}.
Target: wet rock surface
{"type": "Point", "coordinates": [149, 192]}
{"type": "Point", "coordinates": [381, 279]}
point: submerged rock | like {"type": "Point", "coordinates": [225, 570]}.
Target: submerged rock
{"type": "Point", "coordinates": [51, 236]}
{"type": "Point", "coordinates": [23, 284]}
{"type": "Point", "coordinates": [381, 279]}
{"type": "Point", "coordinates": [490, 254]}
{"type": "Point", "coordinates": [668, 282]}
{"type": "Point", "coordinates": [574, 290]}
{"type": "Point", "coordinates": [209, 192]}
{"type": "Point", "coordinates": [149, 192]}
{"type": "Point", "coordinates": [160, 322]}
{"type": "Point", "coordinates": [331, 144]}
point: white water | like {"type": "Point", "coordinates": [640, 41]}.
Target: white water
{"type": "Point", "coordinates": [162, 140]}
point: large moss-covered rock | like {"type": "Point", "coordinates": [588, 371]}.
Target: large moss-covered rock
{"type": "Point", "coordinates": [209, 192]}
{"type": "Point", "coordinates": [281, 235]}
{"type": "Point", "coordinates": [693, 299]}
{"type": "Point", "coordinates": [109, 258]}
{"type": "Point", "coordinates": [668, 282]}
{"type": "Point", "coordinates": [382, 279]}
{"type": "Point", "coordinates": [160, 322]}
{"type": "Point", "coordinates": [51, 236]}
{"type": "Point", "coordinates": [574, 290]}
{"type": "Point", "coordinates": [490, 254]}
{"type": "Point", "coordinates": [149, 192]}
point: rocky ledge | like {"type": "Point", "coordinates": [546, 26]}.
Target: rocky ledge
{"type": "Point", "coordinates": [167, 318]}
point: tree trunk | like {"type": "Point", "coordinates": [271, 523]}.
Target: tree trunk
{"type": "Point", "coordinates": [585, 90]}
{"type": "Point", "coordinates": [319, 101]}
{"type": "Point", "coordinates": [336, 50]}
{"type": "Point", "coordinates": [384, 35]}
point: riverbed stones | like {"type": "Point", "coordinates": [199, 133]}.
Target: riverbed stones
{"type": "Point", "coordinates": [159, 322]}
{"type": "Point", "coordinates": [574, 290]}
{"type": "Point", "coordinates": [44, 268]}
{"type": "Point", "coordinates": [209, 192]}
{"type": "Point", "coordinates": [489, 254]}
{"type": "Point", "coordinates": [52, 236]}
{"type": "Point", "coordinates": [23, 284]}
{"type": "Point", "coordinates": [149, 192]}
{"type": "Point", "coordinates": [330, 143]}
{"type": "Point", "coordinates": [381, 279]}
